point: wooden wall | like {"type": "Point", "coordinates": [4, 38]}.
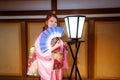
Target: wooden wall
{"type": "Point", "coordinates": [98, 56]}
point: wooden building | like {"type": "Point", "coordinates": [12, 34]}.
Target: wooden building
{"type": "Point", "coordinates": [22, 20]}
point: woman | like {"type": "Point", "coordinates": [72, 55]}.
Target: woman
{"type": "Point", "coordinates": [52, 61]}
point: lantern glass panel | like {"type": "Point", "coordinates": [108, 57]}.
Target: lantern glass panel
{"type": "Point", "coordinates": [67, 27]}
{"type": "Point", "coordinates": [73, 26]}
{"type": "Point", "coordinates": [80, 27]}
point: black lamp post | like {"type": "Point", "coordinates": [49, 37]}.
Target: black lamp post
{"type": "Point", "coordinates": [75, 25]}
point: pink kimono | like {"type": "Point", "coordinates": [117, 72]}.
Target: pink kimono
{"type": "Point", "coordinates": [45, 62]}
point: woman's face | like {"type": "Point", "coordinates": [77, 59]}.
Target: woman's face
{"type": "Point", "coordinates": [52, 22]}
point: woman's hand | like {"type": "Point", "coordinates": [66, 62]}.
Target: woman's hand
{"type": "Point", "coordinates": [57, 45]}
{"type": "Point", "coordinates": [65, 44]}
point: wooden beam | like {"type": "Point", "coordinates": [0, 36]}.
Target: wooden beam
{"type": "Point", "coordinates": [91, 38]}
{"type": "Point", "coordinates": [89, 11]}
{"type": "Point", "coordinates": [60, 12]}
{"type": "Point", "coordinates": [54, 5]}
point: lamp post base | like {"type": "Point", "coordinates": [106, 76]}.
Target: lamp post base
{"type": "Point", "coordinates": [77, 45]}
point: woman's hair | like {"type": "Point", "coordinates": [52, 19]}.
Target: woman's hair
{"type": "Point", "coordinates": [47, 18]}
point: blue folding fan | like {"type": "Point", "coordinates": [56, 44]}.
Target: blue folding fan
{"type": "Point", "coordinates": [48, 35]}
